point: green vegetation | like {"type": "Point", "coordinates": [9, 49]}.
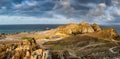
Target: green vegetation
{"type": "Point", "coordinates": [57, 47]}
{"type": "Point", "coordinates": [47, 37]}
{"type": "Point", "coordinates": [26, 38]}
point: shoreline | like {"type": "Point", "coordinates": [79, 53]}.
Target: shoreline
{"type": "Point", "coordinates": [39, 28]}
{"type": "Point", "coordinates": [72, 40]}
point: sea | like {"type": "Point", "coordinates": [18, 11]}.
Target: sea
{"type": "Point", "coordinates": [11, 29]}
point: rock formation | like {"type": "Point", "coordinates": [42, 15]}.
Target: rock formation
{"type": "Point", "coordinates": [96, 27]}
{"type": "Point", "coordinates": [2, 36]}
{"type": "Point", "coordinates": [75, 29]}
{"type": "Point", "coordinates": [29, 50]}
{"type": "Point", "coordinates": [83, 41]}
{"type": "Point", "coordinates": [85, 28]}
{"type": "Point", "coordinates": [107, 33]}
{"type": "Point", "coordinates": [68, 29]}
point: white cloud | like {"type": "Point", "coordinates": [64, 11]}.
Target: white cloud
{"type": "Point", "coordinates": [102, 5]}
{"type": "Point", "coordinates": [25, 4]}
{"type": "Point", "coordinates": [64, 3]}
{"type": "Point", "coordinates": [114, 10]}
{"type": "Point", "coordinates": [116, 2]}
{"type": "Point", "coordinates": [66, 12]}
{"type": "Point", "coordinates": [3, 8]}
{"type": "Point", "coordinates": [89, 5]}
{"type": "Point", "coordinates": [18, 6]}
{"type": "Point", "coordinates": [32, 3]}
{"type": "Point", "coordinates": [33, 20]}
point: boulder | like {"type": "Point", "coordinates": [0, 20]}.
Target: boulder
{"type": "Point", "coordinates": [96, 27]}
{"type": "Point", "coordinates": [107, 33]}
{"type": "Point", "coordinates": [68, 29]}
{"type": "Point", "coordinates": [73, 29]}
{"type": "Point", "coordinates": [2, 36]}
{"type": "Point", "coordinates": [85, 28]}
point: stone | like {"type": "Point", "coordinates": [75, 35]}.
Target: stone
{"type": "Point", "coordinates": [96, 27]}
{"type": "Point", "coordinates": [85, 28]}
{"type": "Point", "coordinates": [74, 29]}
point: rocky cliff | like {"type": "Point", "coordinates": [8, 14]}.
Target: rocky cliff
{"type": "Point", "coordinates": [81, 28]}
{"type": "Point", "coordinates": [30, 50]}
{"type": "Point", "coordinates": [84, 28]}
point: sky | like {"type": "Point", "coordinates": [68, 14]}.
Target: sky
{"type": "Point", "coordinates": [59, 11]}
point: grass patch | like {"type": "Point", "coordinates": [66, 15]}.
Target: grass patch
{"type": "Point", "coordinates": [26, 38]}
{"type": "Point", "coordinates": [57, 47]}
{"type": "Point", "coordinates": [47, 37]}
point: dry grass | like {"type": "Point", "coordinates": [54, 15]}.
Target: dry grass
{"type": "Point", "coordinates": [84, 46]}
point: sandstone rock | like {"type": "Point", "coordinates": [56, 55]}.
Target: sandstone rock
{"type": "Point", "coordinates": [38, 52]}
{"type": "Point", "coordinates": [68, 29]}
{"type": "Point", "coordinates": [46, 55]}
{"type": "Point", "coordinates": [2, 36]}
{"type": "Point", "coordinates": [85, 28]}
{"type": "Point", "coordinates": [96, 27]}
{"type": "Point", "coordinates": [108, 32]}
{"type": "Point", "coordinates": [73, 29]}
{"type": "Point", "coordinates": [27, 53]}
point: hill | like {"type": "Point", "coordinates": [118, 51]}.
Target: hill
{"type": "Point", "coordinates": [71, 41]}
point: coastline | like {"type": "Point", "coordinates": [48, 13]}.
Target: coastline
{"type": "Point", "coordinates": [72, 40]}
{"type": "Point", "coordinates": [37, 27]}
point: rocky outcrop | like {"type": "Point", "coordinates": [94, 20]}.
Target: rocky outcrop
{"type": "Point", "coordinates": [81, 28]}
{"type": "Point", "coordinates": [2, 36]}
{"type": "Point", "coordinates": [108, 33]}
{"type": "Point", "coordinates": [84, 28]}
{"type": "Point", "coordinates": [96, 27]}
{"type": "Point", "coordinates": [30, 50]}
{"type": "Point", "coordinates": [68, 29]}
{"type": "Point", "coordinates": [75, 29]}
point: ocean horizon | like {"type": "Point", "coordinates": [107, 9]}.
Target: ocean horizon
{"type": "Point", "coordinates": [11, 29]}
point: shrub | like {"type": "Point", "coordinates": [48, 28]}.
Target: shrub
{"type": "Point", "coordinates": [47, 37]}
{"type": "Point", "coordinates": [25, 38]}
{"type": "Point", "coordinates": [57, 47]}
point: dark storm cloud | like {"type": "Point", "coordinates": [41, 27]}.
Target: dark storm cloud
{"type": "Point", "coordinates": [47, 4]}
{"type": "Point", "coordinates": [79, 10]}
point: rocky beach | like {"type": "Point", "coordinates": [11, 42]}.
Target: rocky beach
{"type": "Point", "coordinates": [71, 41]}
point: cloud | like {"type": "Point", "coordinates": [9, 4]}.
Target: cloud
{"type": "Point", "coordinates": [33, 20]}
{"type": "Point", "coordinates": [100, 12]}
{"type": "Point", "coordinates": [116, 2]}
{"type": "Point", "coordinates": [63, 4]}
{"type": "Point", "coordinates": [75, 10]}
{"type": "Point", "coordinates": [88, 5]}
{"type": "Point", "coordinates": [25, 4]}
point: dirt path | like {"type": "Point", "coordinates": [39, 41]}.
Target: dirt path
{"type": "Point", "coordinates": [91, 46]}
{"type": "Point", "coordinates": [42, 41]}
{"type": "Point", "coordinates": [112, 51]}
